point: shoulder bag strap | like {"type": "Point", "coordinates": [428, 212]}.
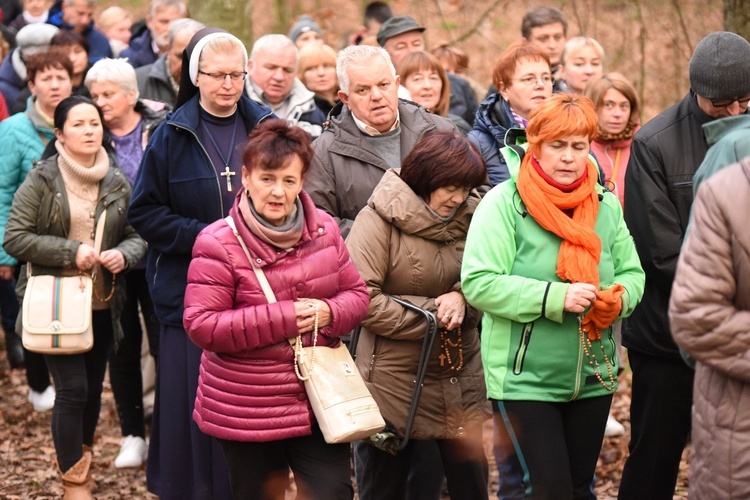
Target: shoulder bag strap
{"type": "Point", "coordinates": [265, 286]}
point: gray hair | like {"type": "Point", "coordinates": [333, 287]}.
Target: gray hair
{"type": "Point", "coordinates": [117, 71]}
{"type": "Point", "coordinates": [90, 3]}
{"type": "Point", "coordinates": [166, 4]}
{"type": "Point", "coordinates": [276, 41]}
{"type": "Point", "coordinates": [183, 24]}
{"type": "Point", "coordinates": [358, 55]}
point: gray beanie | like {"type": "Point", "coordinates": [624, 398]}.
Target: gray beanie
{"type": "Point", "coordinates": [720, 66]}
{"type": "Point", "coordinates": [304, 24]}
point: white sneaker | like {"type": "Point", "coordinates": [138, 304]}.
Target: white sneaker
{"type": "Point", "coordinates": [42, 401]}
{"type": "Point", "coordinates": [614, 428]}
{"type": "Point", "coordinates": [133, 452]}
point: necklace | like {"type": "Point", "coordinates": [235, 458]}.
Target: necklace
{"type": "Point", "coordinates": [445, 344]}
{"type": "Point", "coordinates": [299, 352]}
{"type": "Point", "coordinates": [586, 344]}
{"type": "Point", "coordinates": [227, 172]}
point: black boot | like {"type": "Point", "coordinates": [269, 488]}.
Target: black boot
{"type": "Point", "coordinates": [14, 349]}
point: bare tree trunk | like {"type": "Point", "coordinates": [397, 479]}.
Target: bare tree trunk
{"type": "Point", "coordinates": [234, 16]}
{"type": "Point", "coordinates": [737, 17]}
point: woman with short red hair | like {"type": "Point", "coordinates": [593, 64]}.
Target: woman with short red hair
{"type": "Point", "coordinates": [550, 262]}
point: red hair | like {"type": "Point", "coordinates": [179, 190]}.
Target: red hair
{"type": "Point", "coordinates": [273, 143]}
{"type": "Point", "coordinates": [559, 116]}
{"type": "Point", "coordinates": [505, 67]}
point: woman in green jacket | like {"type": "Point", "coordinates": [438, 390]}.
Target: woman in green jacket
{"type": "Point", "coordinates": [552, 265]}
{"type": "Point", "coordinates": [51, 227]}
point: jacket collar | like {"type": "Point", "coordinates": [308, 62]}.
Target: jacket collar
{"type": "Point", "coordinates": [187, 116]}
{"type": "Point", "coordinates": [350, 141]}
{"type": "Point", "coordinates": [50, 172]}
{"type": "Point", "coordinates": [716, 129]}
{"type": "Point", "coordinates": [397, 204]}
{"type": "Point", "coordinates": [313, 229]}
{"type": "Point", "coordinates": [494, 117]}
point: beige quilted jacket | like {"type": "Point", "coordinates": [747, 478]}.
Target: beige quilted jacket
{"type": "Point", "coordinates": [710, 319]}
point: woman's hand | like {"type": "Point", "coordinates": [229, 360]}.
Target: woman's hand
{"type": "Point", "coordinates": [86, 257]}
{"type": "Point", "coordinates": [112, 260]}
{"type": "Point", "coordinates": [451, 310]}
{"type": "Point", "coordinates": [305, 311]}
{"type": "Point", "coordinates": [579, 296]}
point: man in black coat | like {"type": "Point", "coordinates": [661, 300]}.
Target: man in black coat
{"type": "Point", "coordinates": [664, 156]}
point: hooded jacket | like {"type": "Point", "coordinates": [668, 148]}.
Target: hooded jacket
{"type": "Point", "coordinates": [402, 249]}
{"type": "Point", "coordinates": [301, 108]}
{"type": "Point", "coordinates": [39, 222]}
{"type": "Point", "coordinates": [709, 313]}
{"type": "Point", "coordinates": [664, 156]}
{"type": "Point", "coordinates": [346, 167]}
{"type": "Point", "coordinates": [176, 195]}
{"type": "Point", "coordinates": [248, 389]}
{"type": "Point", "coordinates": [22, 140]}
{"type": "Point", "coordinates": [729, 142]}
{"type": "Point", "coordinates": [492, 121]}
{"type": "Point", "coordinates": [531, 347]}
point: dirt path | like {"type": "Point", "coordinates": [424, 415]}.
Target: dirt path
{"type": "Point", "coordinates": [27, 456]}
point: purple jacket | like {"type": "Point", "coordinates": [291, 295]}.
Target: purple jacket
{"type": "Point", "coordinates": [247, 388]}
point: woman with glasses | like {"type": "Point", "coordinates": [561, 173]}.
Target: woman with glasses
{"type": "Point", "coordinates": [189, 176]}
{"type": "Point", "coordinates": [523, 76]}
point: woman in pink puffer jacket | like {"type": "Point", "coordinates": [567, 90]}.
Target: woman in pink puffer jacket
{"type": "Point", "coordinates": [249, 396]}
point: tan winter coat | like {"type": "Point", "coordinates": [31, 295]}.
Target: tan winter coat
{"type": "Point", "coordinates": [402, 249]}
{"type": "Point", "coordinates": [710, 319]}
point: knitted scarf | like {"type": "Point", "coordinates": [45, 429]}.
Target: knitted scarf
{"type": "Point", "coordinates": [578, 257]}
{"type": "Point", "coordinates": [627, 133]}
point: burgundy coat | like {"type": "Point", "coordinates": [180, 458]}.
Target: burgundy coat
{"type": "Point", "coordinates": [248, 389]}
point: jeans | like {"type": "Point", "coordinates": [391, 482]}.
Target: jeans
{"type": "Point", "coordinates": [78, 383]}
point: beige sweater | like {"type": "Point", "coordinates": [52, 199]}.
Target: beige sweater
{"type": "Point", "coordinates": [82, 188]}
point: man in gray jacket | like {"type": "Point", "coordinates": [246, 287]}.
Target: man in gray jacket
{"type": "Point", "coordinates": [370, 131]}
{"type": "Point", "coordinates": [160, 81]}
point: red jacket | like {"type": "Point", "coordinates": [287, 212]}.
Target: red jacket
{"type": "Point", "coordinates": [248, 389]}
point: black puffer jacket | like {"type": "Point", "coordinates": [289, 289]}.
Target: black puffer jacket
{"type": "Point", "coordinates": [664, 156]}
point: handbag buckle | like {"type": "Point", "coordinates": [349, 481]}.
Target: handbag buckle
{"type": "Point", "coordinates": [55, 326]}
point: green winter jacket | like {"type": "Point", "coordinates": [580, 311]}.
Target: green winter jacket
{"type": "Point", "coordinates": [39, 222]}
{"type": "Point", "coordinates": [531, 347]}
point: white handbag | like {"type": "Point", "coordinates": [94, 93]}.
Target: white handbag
{"type": "Point", "coordinates": [343, 406]}
{"type": "Point", "coordinates": [57, 309]}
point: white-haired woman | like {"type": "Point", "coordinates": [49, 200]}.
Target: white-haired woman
{"type": "Point", "coordinates": [130, 121]}
{"type": "Point", "coordinates": [189, 176]}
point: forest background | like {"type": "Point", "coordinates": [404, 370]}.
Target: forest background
{"type": "Point", "coordinates": [650, 41]}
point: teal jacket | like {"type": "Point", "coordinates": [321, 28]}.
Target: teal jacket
{"type": "Point", "coordinates": [729, 142]}
{"type": "Point", "coordinates": [20, 146]}
{"type": "Point", "coordinates": [531, 347]}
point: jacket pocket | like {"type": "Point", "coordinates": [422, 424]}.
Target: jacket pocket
{"type": "Point", "coordinates": [523, 347]}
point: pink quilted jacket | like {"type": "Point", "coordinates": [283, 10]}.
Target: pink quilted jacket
{"type": "Point", "coordinates": [247, 389]}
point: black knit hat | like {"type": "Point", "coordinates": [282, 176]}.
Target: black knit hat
{"type": "Point", "coordinates": [720, 66]}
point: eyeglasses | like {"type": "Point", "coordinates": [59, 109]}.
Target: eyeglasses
{"type": "Point", "coordinates": [531, 80]}
{"type": "Point", "coordinates": [235, 76]}
{"type": "Point", "coordinates": [723, 103]}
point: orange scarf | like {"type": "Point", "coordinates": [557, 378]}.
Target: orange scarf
{"type": "Point", "coordinates": [581, 248]}
{"type": "Point", "coordinates": [578, 258]}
